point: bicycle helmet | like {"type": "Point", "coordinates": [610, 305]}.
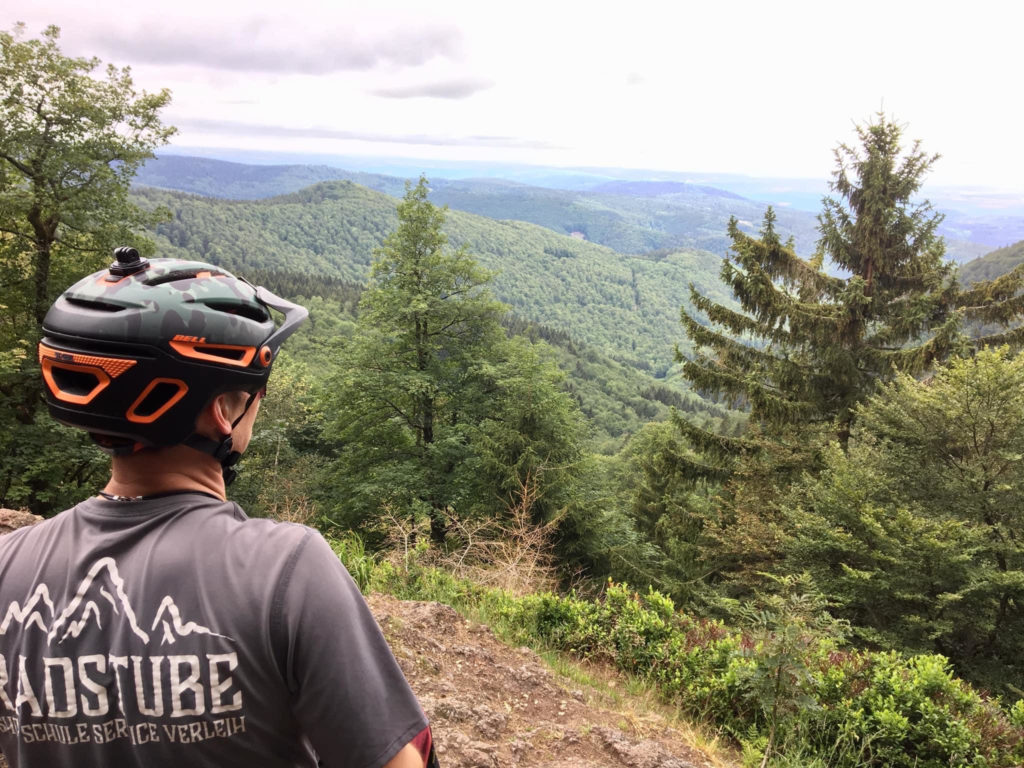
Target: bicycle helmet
{"type": "Point", "coordinates": [133, 354]}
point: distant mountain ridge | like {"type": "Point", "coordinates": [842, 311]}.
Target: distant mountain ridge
{"type": "Point", "coordinates": [629, 215]}
{"type": "Point", "coordinates": [661, 188]}
{"type": "Point", "coordinates": [239, 181]}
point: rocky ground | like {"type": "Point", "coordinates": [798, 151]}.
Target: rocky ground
{"type": "Point", "coordinates": [493, 706]}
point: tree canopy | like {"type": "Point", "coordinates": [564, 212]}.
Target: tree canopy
{"type": "Point", "coordinates": [69, 146]}
{"type": "Point", "coordinates": [915, 531]}
{"type": "Point", "coordinates": [70, 142]}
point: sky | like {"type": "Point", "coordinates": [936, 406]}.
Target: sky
{"type": "Point", "coordinates": [755, 88]}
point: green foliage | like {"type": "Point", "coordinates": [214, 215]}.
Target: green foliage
{"type": "Point", "coordinates": [806, 347]}
{"type": "Point", "coordinates": [46, 466]}
{"type": "Point", "coordinates": [825, 342]}
{"type": "Point", "coordinates": [836, 708]}
{"type": "Point", "coordinates": [786, 628]}
{"type": "Point", "coordinates": [433, 409]}
{"type": "Point", "coordinates": [915, 530]}
{"type": "Point", "coordinates": [277, 470]}
{"type": "Point", "coordinates": [69, 145]}
{"type": "Point", "coordinates": [667, 509]}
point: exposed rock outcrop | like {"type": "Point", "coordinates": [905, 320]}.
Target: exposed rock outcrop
{"type": "Point", "coordinates": [12, 519]}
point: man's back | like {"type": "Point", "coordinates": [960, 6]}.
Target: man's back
{"type": "Point", "coordinates": [174, 631]}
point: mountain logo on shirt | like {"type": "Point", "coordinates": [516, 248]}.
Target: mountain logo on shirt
{"type": "Point", "coordinates": [100, 601]}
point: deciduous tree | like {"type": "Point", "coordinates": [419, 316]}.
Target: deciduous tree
{"type": "Point", "coordinates": [70, 142]}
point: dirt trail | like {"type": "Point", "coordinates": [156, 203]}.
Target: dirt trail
{"type": "Point", "coordinates": [491, 705]}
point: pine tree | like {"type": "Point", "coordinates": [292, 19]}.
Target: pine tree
{"type": "Point", "coordinates": [807, 346]}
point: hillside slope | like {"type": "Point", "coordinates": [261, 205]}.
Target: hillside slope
{"type": "Point", "coordinates": [627, 306]}
{"type": "Point", "coordinates": [993, 264]}
{"type": "Point", "coordinates": [491, 705]}
{"type": "Point", "coordinates": [630, 217]}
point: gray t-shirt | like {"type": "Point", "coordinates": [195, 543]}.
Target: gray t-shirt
{"type": "Point", "coordinates": [176, 631]}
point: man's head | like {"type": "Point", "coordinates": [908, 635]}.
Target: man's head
{"type": "Point", "coordinates": [137, 354]}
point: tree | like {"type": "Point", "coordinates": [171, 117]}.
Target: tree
{"type": "Point", "coordinates": [821, 342]}
{"type": "Point", "coordinates": [807, 346]}
{"type": "Point", "coordinates": [915, 530]}
{"type": "Point", "coordinates": [434, 411]}
{"type": "Point", "coordinates": [69, 145]}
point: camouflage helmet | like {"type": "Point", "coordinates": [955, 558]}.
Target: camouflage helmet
{"type": "Point", "coordinates": [135, 352]}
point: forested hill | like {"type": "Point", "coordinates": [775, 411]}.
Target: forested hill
{"type": "Point", "coordinates": [630, 217]}
{"type": "Point", "coordinates": [626, 306]}
{"type": "Point", "coordinates": [992, 265]}
{"type": "Point", "coordinates": [240, 181]}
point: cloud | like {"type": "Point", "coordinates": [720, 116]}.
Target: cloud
{"type": "Point", "coordinates": [448, 89]}
{"type": "Point", "coordinates": [259, 45]}
{"type": "Point", "coordinates": [282, 131]}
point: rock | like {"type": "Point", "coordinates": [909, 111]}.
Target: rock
{"type": "Point", "coordinates": [474, 758]}
{"type": "Point", "coordinates": [454, 711]}
{"type": "Point", "coordinates": [644, 754]}
{"type": "Point", "coordinates": [489, 724]}
{"type": "Point", "coordinates": [12, 519]}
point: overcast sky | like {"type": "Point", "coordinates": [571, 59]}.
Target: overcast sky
{"type": "Point", "coordinates": [759, 88]}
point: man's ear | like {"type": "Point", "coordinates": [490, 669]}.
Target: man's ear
{"type": "Point", "coordinates": [217, 415]}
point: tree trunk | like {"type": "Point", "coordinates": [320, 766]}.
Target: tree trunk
{"type": "Point", "coordinates": [45, 231]}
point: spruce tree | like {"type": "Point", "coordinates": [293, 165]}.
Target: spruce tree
{"type": "Point", "coordinates": [807, 346]}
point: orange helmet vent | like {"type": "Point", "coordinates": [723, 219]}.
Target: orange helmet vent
{"type": "Point", "coordinates": [166, 392]}
{"type": "Point", "coordinates": [94, 373]}
{"type": "Point", "coordinates": [225, 354]}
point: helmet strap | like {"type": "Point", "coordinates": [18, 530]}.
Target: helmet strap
{"type": "Point", "coordinates": [223, 450]}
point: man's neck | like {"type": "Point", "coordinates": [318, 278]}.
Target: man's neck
{"type": "Point", "coordinates": [178, 468]}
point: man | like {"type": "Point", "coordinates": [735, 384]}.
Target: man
{"type": "Point", "coordinates": [156, 625]}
